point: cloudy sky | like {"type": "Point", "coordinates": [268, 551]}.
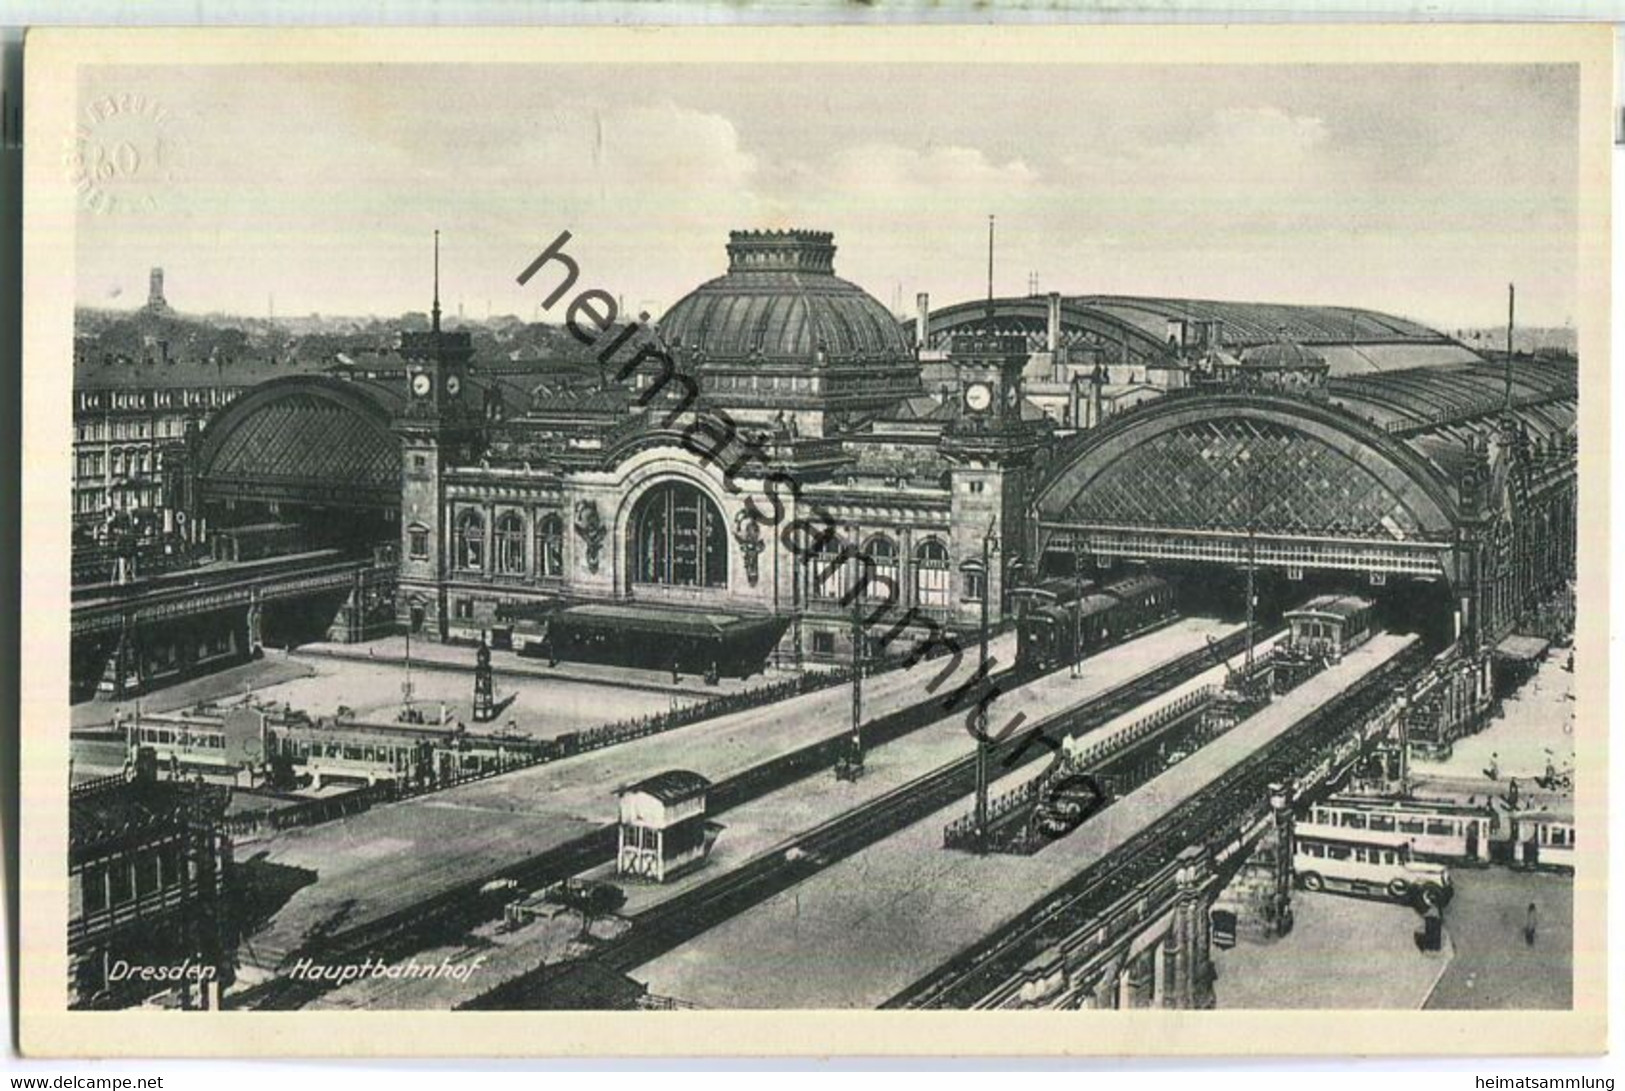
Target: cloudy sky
{"type": "Point", "coordinates": [1416, 190]}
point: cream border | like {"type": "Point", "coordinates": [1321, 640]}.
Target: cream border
{"type": "Point", "coordinates": [47, 1029]}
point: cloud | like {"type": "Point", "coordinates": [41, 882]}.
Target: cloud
{"type": "Point", "coordinates": [1241, 145]}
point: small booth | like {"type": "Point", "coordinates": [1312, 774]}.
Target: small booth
{"type": "Point", "coordinates": [663, 829]}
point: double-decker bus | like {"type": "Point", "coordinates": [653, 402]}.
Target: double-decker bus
{"type": "Point", "coordinates": [1436, 829]}
{"type": "Point", "coordinates": [1368, 867]}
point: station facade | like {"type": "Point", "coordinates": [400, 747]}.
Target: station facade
{"type": "Point", "coordinates": [779, 436]}
{"type": "Point", "coordinates": [792, 437]}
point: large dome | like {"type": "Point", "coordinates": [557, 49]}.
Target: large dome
{"type": "Point", "coordinates": [781, 301]}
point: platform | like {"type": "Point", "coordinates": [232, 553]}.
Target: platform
{"type": "Point", "coordinates": [867, 927]}
{"type": "Point", "coordinates": [392, 857]}
{"type": "Point", "coordinates": [773, 822]}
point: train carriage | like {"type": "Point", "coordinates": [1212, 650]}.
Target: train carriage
{"type": "Point", "coordinates": [1330, 625]}
{"type": "Point", "coordinates": [1066, 621]}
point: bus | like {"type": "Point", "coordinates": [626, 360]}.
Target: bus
{"type": "Point", "coordinates": [1368, 867]}
{"type": "Point", "coordinates": [1436, 829]}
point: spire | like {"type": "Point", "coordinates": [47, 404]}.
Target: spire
{"type": "Point", "coordinates": [436, 312]}
{"type": "Point", "coordinates": [990, 268]}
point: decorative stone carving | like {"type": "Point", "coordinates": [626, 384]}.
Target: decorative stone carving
{"type": "Point", "coordinates": [590, 529]}
{"type": "Point", "coordinates": [748, 535]}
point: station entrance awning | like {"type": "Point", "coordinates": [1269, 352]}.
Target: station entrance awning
{"type": "Point", "coordinates": [659, 638]}
{"type": "Point", "coordinates": [1521, 649]}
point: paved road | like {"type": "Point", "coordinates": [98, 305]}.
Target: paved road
{"type": "Point", "coordinates": [1494, 968]}
{"type": "Point", "coordinates": [1342, 953]}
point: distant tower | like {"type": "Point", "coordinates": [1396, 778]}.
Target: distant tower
{"type": "Point", "coordinates": [155, 290]}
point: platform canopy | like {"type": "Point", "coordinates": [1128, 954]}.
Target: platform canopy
{"type": "Point", "coordinates": [1350, 340]}
{"type": "Point", "coordinates": [305, 440]}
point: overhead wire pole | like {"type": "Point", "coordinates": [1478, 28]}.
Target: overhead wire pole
{"type": "Point", "coordinates": [1511, 301]}
{"type": "Point", "coordinates": [982, 740]}
{"type": "Point", "coordinates": [1077, 607]}
{"type": "Point", "coordinates": [857, 656]}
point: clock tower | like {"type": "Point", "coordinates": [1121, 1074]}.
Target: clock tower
{"type": "Point", "coordinates": [436, 427]}
{"type": "Point", "coordinates": [992, 449]}
{"type": "Point", "coordinates": [988, 369]}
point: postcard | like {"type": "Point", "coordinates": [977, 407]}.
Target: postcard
{"type": "Point", "coordinates": [871, 540]}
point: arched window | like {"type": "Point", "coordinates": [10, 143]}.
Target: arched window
{"type": "Point", "coordinates": [883, 585]}
{"type": "Point", "coordinates": [679, 538]}
{"type": "Point", "coordinates": [470, 545]}
{"type": "Point", "coordinates": [931, 576]}
{"type": "Point", "coordinates": [510, 544]}
{"type": "Point", "coordinates": [829, 574]}
{"type": "Point", "coordinates": [417, 542]}
{"type": "Point", "coordinates": [550, 546]}
{"type": "Point", "coordinates": [975, 580]}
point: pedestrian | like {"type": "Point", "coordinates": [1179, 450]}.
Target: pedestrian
{"type": "Point", "coordinates": [1529, 925]}
{"type": "Point", "coordinates": [676, 672]}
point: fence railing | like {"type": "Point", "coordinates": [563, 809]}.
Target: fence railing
{"type": "Point", "coordinates": [307, 813]}
{"type": "Point", "coordinates": [1077, 758]}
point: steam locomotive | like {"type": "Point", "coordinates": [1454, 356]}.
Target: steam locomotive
{"type": "Point", "coordinates": [1065, 620]}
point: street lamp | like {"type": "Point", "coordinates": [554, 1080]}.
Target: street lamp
{"type": "Point", "coordinates": [852, 767]}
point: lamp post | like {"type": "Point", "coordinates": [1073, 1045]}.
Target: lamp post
{"type": "Point", "coordinates": [1077, 609]}
{"type": "Point", "coordinates": [855, 752]}
{"type": "Point", "coordinates": [989, 547]}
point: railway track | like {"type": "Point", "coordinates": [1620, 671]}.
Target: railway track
{"type": "Point", "coordinates": [685, 916]}
{"type": "Point", "coordinates": [453, 912]}
{"type": "Point", "coordinates": [1211, 818]}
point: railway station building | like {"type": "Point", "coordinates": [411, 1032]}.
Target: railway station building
{"type": "Point", "coordinates": [803, 436]}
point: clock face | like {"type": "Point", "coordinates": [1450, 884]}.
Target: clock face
{"type": "Point", "coordinates": [978, 396]}
{"type": "Point", "coordinates": [453, 384]}
{"type": "Point", "coordinates": [420, 384]}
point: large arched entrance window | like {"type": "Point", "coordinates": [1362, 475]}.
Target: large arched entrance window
{"type": "Point", "coordinates": [679, 538]}
{"type": "Point", "coordinates": [471, 540]}
{"type": "Point", "coordinates": [510, 544]}
{"type": "Point", "coordinates": [550, 546]}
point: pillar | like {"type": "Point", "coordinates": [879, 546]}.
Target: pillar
{"type": "Point", "coordinates": [256, 639]}
{"type": "Point", "coordinates": [1281, 811]}
{"type": "Point", "coordinates": [1104, 995]}
{"type": "Point", "coordinates": [1052, 340]}
{"type": "Point", "coordinates": [1177, 994]}
{"type": "Point", "coordinates": [1194, 900]}
{"type": "Point", "coordinates": [922, 327]}
{"type": "Point", "coordinates": [1159, 973]}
